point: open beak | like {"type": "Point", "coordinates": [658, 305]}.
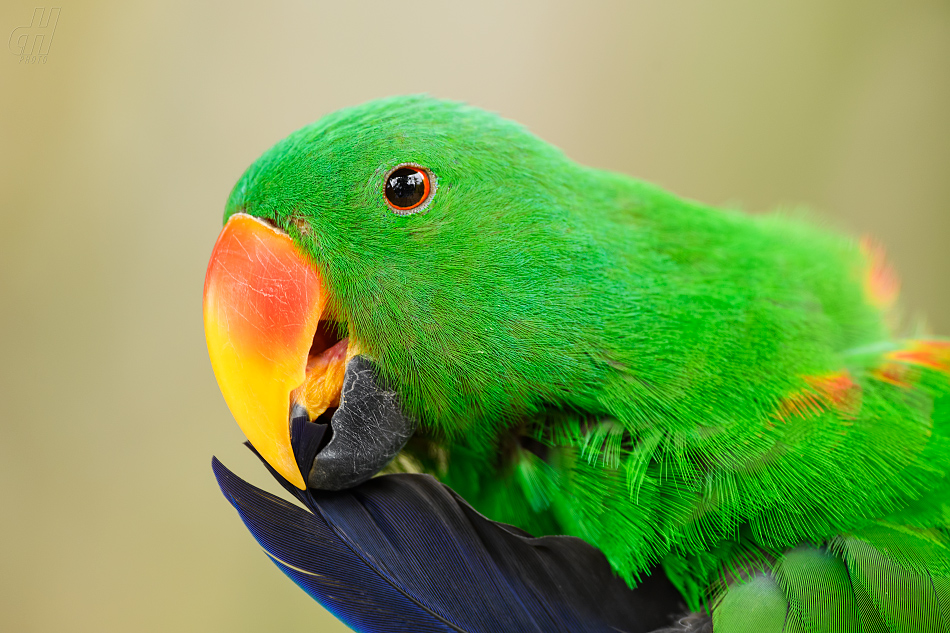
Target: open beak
{"type": "Point", "coordinates": [280, 369]}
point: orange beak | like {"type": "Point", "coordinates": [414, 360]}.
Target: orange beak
{"type": "Point", "coordinates": [262, 305]}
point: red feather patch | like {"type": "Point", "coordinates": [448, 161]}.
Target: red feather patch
{"type": "Point", "coordinates": [932, 354]}
{"type": "Point", "coordinates": [881, 283]}
{"type": "Point", "coordinates": [892, 373]}
{"type": "Point", "coordinates": [833, 390]}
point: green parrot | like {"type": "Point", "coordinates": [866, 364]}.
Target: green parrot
{"type": "Point", "coordinates": [718, 398]}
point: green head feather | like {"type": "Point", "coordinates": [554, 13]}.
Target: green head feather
{"type": "Point", "coordinates": [481, 308]}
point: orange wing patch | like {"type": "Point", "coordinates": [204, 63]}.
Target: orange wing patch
{"type": "Point", "coordinates": [892, 373]}
{"type": "Point", "coordinates": [881, 283]}
{"type": "Point", "coordinates": [932, 354]}
{"type": "Point", "coordinates": [835, 390]}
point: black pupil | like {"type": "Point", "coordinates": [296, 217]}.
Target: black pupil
{"type": "Point", "coordinates": [405, 187]}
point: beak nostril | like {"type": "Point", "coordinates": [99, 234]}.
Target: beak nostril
{"type": "Point", "coordinates": [302, 226]}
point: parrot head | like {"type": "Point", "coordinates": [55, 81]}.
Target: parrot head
{"type": "Point", "coordinates": [408, 263]}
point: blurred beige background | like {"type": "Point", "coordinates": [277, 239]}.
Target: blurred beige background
{"type": "Point", "coordinates": [117, 155]}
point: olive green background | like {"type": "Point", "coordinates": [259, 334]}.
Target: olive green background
{"type": "Point", "coordinates": [117, 155]}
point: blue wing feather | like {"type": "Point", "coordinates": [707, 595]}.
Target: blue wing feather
{"type": "Point", "coordinates": [404, 552]}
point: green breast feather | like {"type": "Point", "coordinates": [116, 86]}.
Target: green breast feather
{"type": "Point", "coordinates": [690, 389]}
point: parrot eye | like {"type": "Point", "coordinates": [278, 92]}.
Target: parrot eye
{"type": "Point", "coordinates": [409, 189]}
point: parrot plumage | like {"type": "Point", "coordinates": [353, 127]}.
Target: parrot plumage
{"type": "Point", "coordinates": [722, 399]}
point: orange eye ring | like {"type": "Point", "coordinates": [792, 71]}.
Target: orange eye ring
{"type": "Point", "coordinates": [408, 188]}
